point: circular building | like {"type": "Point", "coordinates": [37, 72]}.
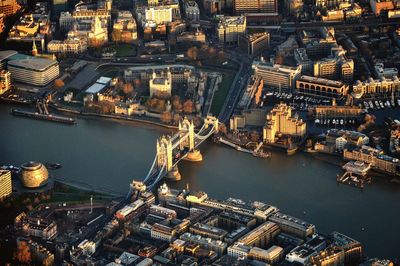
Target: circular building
{"type": "Point", "coordinates": [34, 175]}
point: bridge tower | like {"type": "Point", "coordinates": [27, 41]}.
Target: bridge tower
{"type": "Point", "coordinates": [212, 121]}
{"type": "Point", "coordinates": [186, 129]}
{"type": "Point", "coordinates": [164, 153]}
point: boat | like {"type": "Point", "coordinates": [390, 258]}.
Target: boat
{"type": "Point", "coordinates": [53, 166]}
{"type": "Point", "coordinates": [261, 154]}
{"type": "Point", "coordinates": [47, 117]}
{"type": "Point", "coordinates": [291, 151]}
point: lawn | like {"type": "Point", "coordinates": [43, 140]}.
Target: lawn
{"type": "Point", "coordinates": [124, 50]}
{"type": "Point", "coordinates": [221, 93]}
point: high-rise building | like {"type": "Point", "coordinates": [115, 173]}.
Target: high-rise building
{"type": "Point", "coordinates": [255, 6]}
{"type": "Point", "coordinates": [5, 183]}
{"type": "Point", "coordinates": [2, 18]}
{"type": "Point", "coordinates": [159, 14]}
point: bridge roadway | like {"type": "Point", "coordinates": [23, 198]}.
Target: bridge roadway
{"type": "Point", "coordinates": [156, 173]}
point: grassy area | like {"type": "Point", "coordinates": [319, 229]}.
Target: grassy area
{"type": "Point", "coordinates": [124, 50]}
{"type": "Point", "coordinates": [221, 93]}
{"type": "Point", "coordinates": [65, 193]}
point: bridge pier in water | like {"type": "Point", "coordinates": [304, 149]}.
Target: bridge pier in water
{"type": "Point", "coordinates": [172, 149]}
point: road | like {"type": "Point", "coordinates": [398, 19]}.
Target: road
{"type": "Point", "coordinates": [238, 86]}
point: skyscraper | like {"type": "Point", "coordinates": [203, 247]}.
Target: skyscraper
{"type": "Point", "coordinates": [5, 183]}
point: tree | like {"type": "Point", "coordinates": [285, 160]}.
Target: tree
{"type": "Point", "coordinates": [223, 129]}
{"type": "Point", "coordinates": [176, 103]}
{"type": "Point", "coordinates": [188, 107]}
{"type": "Point", "coordinates": [166, 117]}
{"type": "Point", "coordinates": [127, 88]}
{"type": "Point", "coordinates": [222, 56]}
{"type": "Point", "coordinates": [160, 106]}
{"type": "Point", "coordinates": [58, 83]}
{"type": "Point", "coordinates": [176, 118]}
{"type": "Point", "coordinates": [193, 53]}
{"type": "Point", "coordinates": [23, 254]}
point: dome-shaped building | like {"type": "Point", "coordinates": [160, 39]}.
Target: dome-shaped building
{"type": "Point", "coordinates": [34, 175]}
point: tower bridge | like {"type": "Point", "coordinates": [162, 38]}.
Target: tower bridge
{"type": "Point", "coordinates": [172, 149]}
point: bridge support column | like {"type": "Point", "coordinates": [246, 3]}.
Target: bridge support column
{"type": "Point", "coordinates": [194, 156]}
{"type": "Point", "coordinates": [174, 174]}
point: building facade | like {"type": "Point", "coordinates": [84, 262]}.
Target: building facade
{"type": "Point", "coordinates": [281, 121]}
{"type": "Point", "coordinates": [254, 44]}
{"type": "Point", "coordinates": [277, 76]}
{"type": "Point", "coordinates": [5, 81]}
{"type": "Point", "coordinates": [35, 71]}
{"type": "Point", "coordinates": [321, 87]}
{"type": "Point", "coordinates": [5, 183]}
{"type": "Point", "coordinates": [230, 28]}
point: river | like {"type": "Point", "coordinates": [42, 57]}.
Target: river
{"type": "Point", "coordinates": [108, 153]}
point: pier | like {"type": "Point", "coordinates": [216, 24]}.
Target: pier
{"type": "Point", "coordinates": [356, 174]}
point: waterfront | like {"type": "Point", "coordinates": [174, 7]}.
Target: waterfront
{"type": "Point", "coordinates": [111, 153]}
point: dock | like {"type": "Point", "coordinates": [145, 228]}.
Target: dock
{"type": "Point", "coordinates": [356, 174]}
{"type": "Point", "coordinates": [43, 116]}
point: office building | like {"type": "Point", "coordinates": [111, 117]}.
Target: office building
{"type": "Point", "coordinates": [321, 87]}
{"type": "Point", "coordinates": [230, 28]}
{"type": "Point", "coordinates": [215, 245]}
{"type": "Point", "coordinates": [292, 225]}
{"type": "Point", "coordinates": [301, 255]}
{"type": "Point", "coordinates": [352, 248]}
{"type": "Point", "coordinates": [5, 81]}
{"type": "Point", "coordinates": [254, 44]}
{"type": "Point", "coordinates": [209, 231]}
{"type": "Point", "coordinates": [270, 256]}
{"type": "Point", "coordinates": [262, 236]}
{"type": "Point", "coordinates": [34, 71]}
{"type": "Point", "coordinates": [5, 183]}
{"type": "Point", "coordinates": [280, 120]}
{"type": "Point", "coordinates": [124, 28]}
{"type": "Point", "coordinates": [330, 257]}
{"type": "Point", "coordinates": [255, 6]}
{"type": "Point", "coordinates": [238, 250]}
{"type": "Point", "coordinates": [302, 59]}
{"type": "Point", "coordinates": [277, 76]}
{"type": "Point", "coordinates": [9, 7]}
{"type": "Point", "coordinates": [162, 232]}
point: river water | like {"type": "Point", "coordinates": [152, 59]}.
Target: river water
{"type": "Point", "coordinates": [107, 153]}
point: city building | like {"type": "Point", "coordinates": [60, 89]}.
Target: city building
{"type": "Point", "coordinates": [9, 7]}
{"type": "Point", "coordinates": [254, 44]}
{"type": "Point", "coordinates": [335, 67]}
{"type": "Point", "coordinates": [5, 183]}
{"type": "Point", "coordinates": [321, 87]}
{"type": "Point", "coordinates": [330, 4]}
{"type": "Point", "coordinates": [34, 71]}
{"type": "Point", "coordinates": [238, 250]}
{"type": "Point", "coordinates": [262, 236]}
{"type": "Point", "coordinates": [192, 10]}
{"type": "Point", "coordinates": [59, 6]}
{"type": "Point", "coordinates": [33, 175]}
{"type": "Point", "coordinates": [160, 86]}
{"type": "Point", "coordinates": [301, 255]}
{"type": "Point", "coordinates": [352, 248]}
{"type": "Point", "coordinates": [2, 20]}
{"type": "Point", "coordinates": [371, 88]}
{"type": "Point", "coordinates": [38, 227]}
{"type": "Point", "coordinates": [302, 59]}
{"type": "Point", "coordinates": [5, 81]}
{"type": "Point", "coordinates": [230, 28]}
{"type": "Point", "coordinates": [293, 7]}
{"type": "Point", "coordinates": [378, 6]}
{"type": "Point", "coordinates": [376, 158]}
{"type": "Point", "coordinates": [277, 76]}
{"type": "Point", "coordinates": [292, 225]}
{"type": "Point", "coordinates": [343, 138]}
{"type": "Point", "coordinates": [271, 255]}
{"type": "Point", "coordinates": [215, 245]}
{"type": "Point", "coordinates": [124, 28]}
{"type": "Point", "coordinates": [255, 6]}
{"type": "Point", "coordinates": [328, 257]}
{"type": "Point", "coordinates": [68, 46]}
{"type": "Point", "coordinates": [159, 14]}
{"type": "Point", "coordinates": [280, 120]}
